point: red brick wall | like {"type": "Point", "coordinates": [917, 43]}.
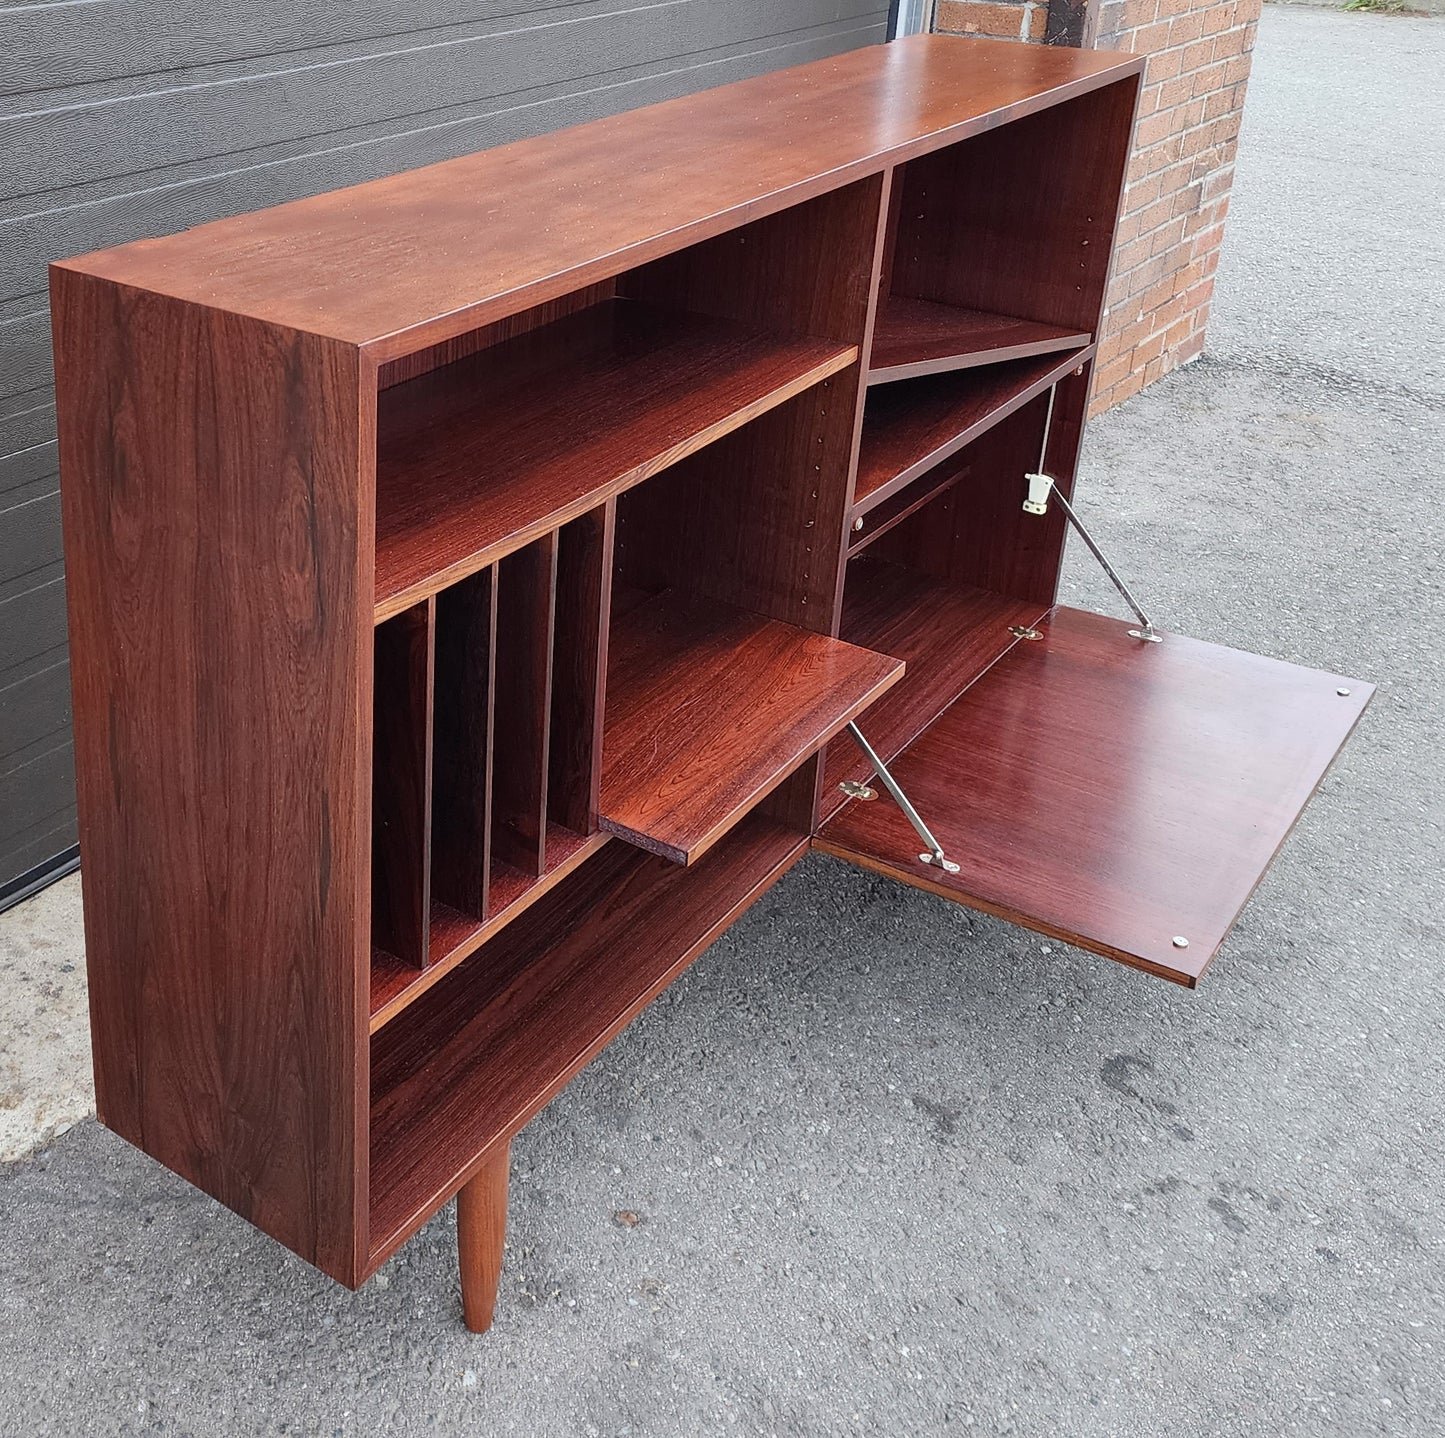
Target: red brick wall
{"type": "Point", "coordinates": [1179, 181]}
{"type": "Point", "coordinates": [1006, 19]}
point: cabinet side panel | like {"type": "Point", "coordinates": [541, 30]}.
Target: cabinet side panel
{"type": "Point", "coordinates": [217, 530]}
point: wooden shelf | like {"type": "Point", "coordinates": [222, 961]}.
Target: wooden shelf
{"type": "Point", "coordinates": [906, 502]}
{"type": "Point", "coordinates": [474, 1059]}
{"type": "Point", "coordinates": [907, 429]}
{"type": "Point", "coordinates": [709, 707]}
{"type": "Point", "coordinates": [948, 634]}
{"type": "Point", "coordinates": [478, 457]}
{"type": "Point", "coordinates": [453, 935]}
{"type": "Point", "coordinates": [913, 337]}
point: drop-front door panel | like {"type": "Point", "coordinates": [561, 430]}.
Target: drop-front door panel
{"type": "Point", "coordinates": [1120, 795]}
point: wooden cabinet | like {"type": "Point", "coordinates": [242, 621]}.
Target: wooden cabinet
{"type": "Point", "coordinates": [517, 538]}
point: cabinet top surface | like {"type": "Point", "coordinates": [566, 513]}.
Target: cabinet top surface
{"type": "Point", "coordinates": [402, 262]}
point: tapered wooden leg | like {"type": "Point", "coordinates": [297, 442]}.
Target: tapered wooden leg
{"type": "Point", "coordinates": [481, 1228]}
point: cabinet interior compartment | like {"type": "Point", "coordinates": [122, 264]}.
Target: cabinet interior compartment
{"type": "Point", "coordinates": [912, 428]}
{"type": "Point", "coordinates": [517, 652]}
{"type": "Point", "coordinates": [718, 687]}
{"type": "Point", "coordinates": [401, 785]}
{"type": "Point", "coordinates": [946, 576]}
{"type": "Point", "coordinates": [998, 247]}
{"type": "Point", "coordinates": [481, 1051]}
{"type": "Point", "coordinates": [487, 442]}
{"type": "Point", "coordinates": [465, 693]}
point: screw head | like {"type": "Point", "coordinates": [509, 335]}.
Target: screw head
{"type": "Point", "coordinates": [1179, 941]}
{"type": "Point", "coordinates": [1343, 693]}
{"type": "Point", "coordinates": [858, 524]}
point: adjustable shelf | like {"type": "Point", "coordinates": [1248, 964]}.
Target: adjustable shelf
{"type": "Point", "coordinates": [913, 337]}
{"type": "Point", "coordinates": [477, 457]}
{"type": "Point", "coordinates": [709, 708]}
{"type": "Point", "coordinates": [908, 429]}
{"type": "Point", "coordinates": [470, 1062]}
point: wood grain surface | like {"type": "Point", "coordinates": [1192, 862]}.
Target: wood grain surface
{"type": "Point", "coordinates": [947, 633]}
{"type": "Point", "coordinates": [909, 428]}
{"type": "Point", "coordinates": [214, 477]}
{"type": "Point", "coordinates": [709, 708]}
{"type": "Point", "coordinates": [456, 935]}
{"type": "Point", "coordinates": [913, 337]}
{"type": "Point", "coordinates": [978, 533]}
{"type": "Point", "coordinates": [401, 790]}
{"type": "Point", "coordinates": [465, 689]}
{"type": "Point", "coordinates": [477, 458]}
{"type": "Point", "coordinates": [412, 260]}
{"type": "Point", "coordinates": [579, 668]}
{"type": "Point", "coordinates": [1111, 793]}
{"type": "Point", "coordinates": [483, 1050]}
{"type": "Point", "coordinates": [1020, 220]}
{"type": "Point", "coordinates": [481, 1236]}
{"type": "Point", "coordinates": [522, 708]}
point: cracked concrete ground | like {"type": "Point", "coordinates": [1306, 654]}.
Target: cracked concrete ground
{"type": "Point", "coordinates": [900, 1169]}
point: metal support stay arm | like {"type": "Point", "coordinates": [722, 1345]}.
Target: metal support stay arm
{"type": "Point", "coordinates": [1041, 486]}
{"type": "Point", "coordinates": [935, 849]}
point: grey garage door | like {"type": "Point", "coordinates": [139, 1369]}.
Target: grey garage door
{"type": "Point", "coordinates": [123, 118]}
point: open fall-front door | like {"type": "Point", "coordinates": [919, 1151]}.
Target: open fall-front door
{"type": "Point", "coordinates": [1120, 795]}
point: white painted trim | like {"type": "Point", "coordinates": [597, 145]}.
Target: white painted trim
{"type": "Point", "coordinates": [914, 16]}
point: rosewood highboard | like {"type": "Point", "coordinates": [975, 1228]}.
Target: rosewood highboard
{"type": "Point", "coordinates": [485, 582]}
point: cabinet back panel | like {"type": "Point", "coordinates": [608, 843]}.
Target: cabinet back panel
{"type": "Point", "coordinates": [1020, 220]}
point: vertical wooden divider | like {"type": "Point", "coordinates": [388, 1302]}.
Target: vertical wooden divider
{"type": "Point", "coordinates": [466, 655]}
{"type": "Point", "coordinates": [526, 615]}
{"type": "Point", "coordinates": [887, 242]}
{"type": "Point", "coordinates": [401, 786]}
{"type": "Point", "coordinates": [579, 667]}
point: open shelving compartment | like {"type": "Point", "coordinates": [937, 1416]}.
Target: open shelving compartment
{"type": "Point", "coordinates": [997, 247]}
{"type": "Point", "coordinates": [946, 578]}
{"type": "Point", "coordinates": [1075, 776]}
{"type": "Point", "coordinates": [594, 704]}
{"type": "Point", "coordinates": [488, 450]}
{"type": "Point", "coordinates": [672, 719]}
{"type": "Point", "coordinates": [1110, 786]}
